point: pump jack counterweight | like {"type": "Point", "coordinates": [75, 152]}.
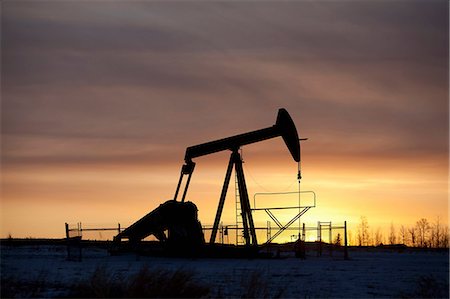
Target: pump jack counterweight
{"type": "Point", "coordinates": [179, 219]}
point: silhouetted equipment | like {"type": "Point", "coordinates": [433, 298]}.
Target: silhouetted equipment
{"type": "Point", "coordinates": [179, 218]}
{"type": "Point", "coordinates": [184, 231]}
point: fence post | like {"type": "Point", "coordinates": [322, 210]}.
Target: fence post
{"type": "Point", "coordinates": [67, 240]}
{"type": "Point", "coordinates": [345, 241]}
{"type": "Point", "coordinates": [330, 237]}
{"type": "Point", "coordinates": [67, 230]}
{"type": "Point", "coordinates": [319, 229]}
{"type": "Point", "coordinates": [301, 250]}
{"type": "Point", "coordinates": [303, 232]}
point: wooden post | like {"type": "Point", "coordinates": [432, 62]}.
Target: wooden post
{"type": "Point", "coordinates": [302, 243]}
{"type": "Point", "coordinates": [80, 235]}
{"type": "Point", "coordinates": [118, 228]}
{"type": "Point", "coordinates": [345, 241]}
{"type": "Point", "coordinates": [67, 241]}
{"type": "Point", "coordinates": [330, 237]}
{"type": "Point", "coordinates": [319, 232]}
{"type": "Point", "coordinates": [67, 230]}
{"type": "Point", "coordinates": [303, 232]}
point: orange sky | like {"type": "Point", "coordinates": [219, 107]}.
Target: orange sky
{"type": "Point", "coordinates": [100, 101]}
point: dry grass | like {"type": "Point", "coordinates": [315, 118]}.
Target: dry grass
{"type": "Point", "coordinates": [13, 287]}
{"type": "Point", "coordinates": [102, 283]}
{"type": "Point", "coordinates": [146, 283]}
{"type": "Point", "coordinates": [427, 286]}
{"type": "Point", "coordinates": [257, 285]}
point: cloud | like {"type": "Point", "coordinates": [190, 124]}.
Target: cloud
{"type": "Point", "coordinates": [373, 78]}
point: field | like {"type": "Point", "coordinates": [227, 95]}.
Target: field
{"type": "Point", "coordinates": [44, 271]}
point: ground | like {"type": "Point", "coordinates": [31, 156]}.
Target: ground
{"type": "Point", "coordinates": [367, 274]}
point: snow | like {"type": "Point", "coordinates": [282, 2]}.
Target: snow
{"type": "Point", "coordinates": [368, 273]}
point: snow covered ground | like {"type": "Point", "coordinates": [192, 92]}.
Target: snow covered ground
{"type": "Point", "coordinates": [368, 274]}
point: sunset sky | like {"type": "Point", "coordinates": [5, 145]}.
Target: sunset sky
{"type": "Point", "coordinates": [101, 99]}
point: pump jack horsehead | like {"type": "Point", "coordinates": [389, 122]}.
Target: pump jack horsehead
{"type": "Point", "coordinates": [179, 218]}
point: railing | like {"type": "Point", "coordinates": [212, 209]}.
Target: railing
{"type": "Point", "coordinates": [301, 210]}
{"type": "Point", "coordinates": [284, 193]}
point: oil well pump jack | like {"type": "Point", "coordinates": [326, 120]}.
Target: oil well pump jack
{"type": "Point", "coordinates": [179, 218]}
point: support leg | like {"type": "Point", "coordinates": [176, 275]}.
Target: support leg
{"type": "Point", "coordinates": [245, 203]}
{"type": "Point", "coordinates": [222, 200]}
{"type": "Point", "coordinates": [186, 187]}
{"type": "Point", "coordinates": [178, 186]}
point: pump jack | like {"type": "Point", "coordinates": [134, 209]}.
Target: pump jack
{"type": "Point", "coordinates": [179, 218]}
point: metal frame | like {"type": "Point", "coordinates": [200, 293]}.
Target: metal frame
{"type": "Point", "coordinates": [282, 228]}
{"type": "Point", "coordinates": [246, 211]}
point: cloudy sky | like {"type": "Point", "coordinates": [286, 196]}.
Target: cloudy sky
{"type": "Point", "coordinates": [101, 99]}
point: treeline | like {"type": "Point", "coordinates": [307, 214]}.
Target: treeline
{"type": "Point", "coordinates": [423, 234]}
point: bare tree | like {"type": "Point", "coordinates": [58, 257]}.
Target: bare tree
{"type": "Point", "coordinates": [378, 237]}
{"type": "Point", "coordinates": [437, 233]}
{"type": "Point", "coordinates": [403, 235]}
{"type": "Point", "coordinates": [392, 237]}
{"type": "Point", "coordinates": [350, 237]}
{"type": "Point", "coordinates": [412, 232]}
{"type": "Point", "coordinates": [431, 242]}
{"type": "Point", "coordinates": [445, 237]}
{"type": "Point", "coordinates": [363, 232]}
{"type": "Point", "coordinates": [422, 231]}
{"type": "Point", "coordinates": [337, 241]}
